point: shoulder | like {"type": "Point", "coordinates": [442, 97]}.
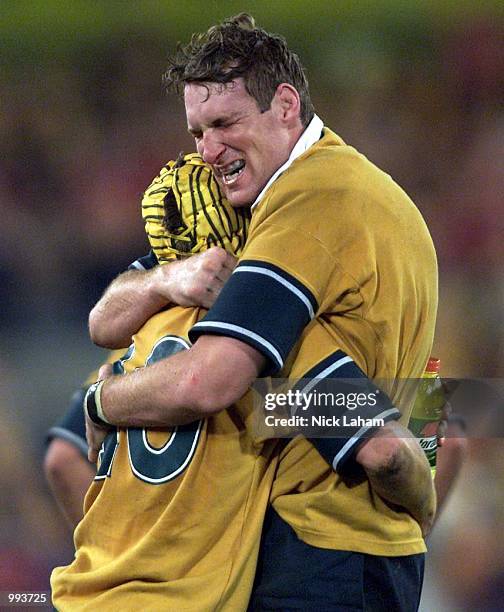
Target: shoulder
{"type": "Point", "coordinates": [328, 182]}
{"type": "Point", "coordinates": [330, 161]}
{"type": "Point", "coordinates": [334, 197]}
{"type": "Point", "coordinates": [327, 172]}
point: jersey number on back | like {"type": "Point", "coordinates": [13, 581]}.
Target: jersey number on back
{"type": "Point", "coordinates": [151, 464]}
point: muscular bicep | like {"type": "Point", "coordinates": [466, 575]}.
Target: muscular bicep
{"type": "Point", "coordinates": [222, 369]}
{"type": "Point", "coordinates": [264, 307]}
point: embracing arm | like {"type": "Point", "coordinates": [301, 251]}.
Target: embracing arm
{"type": "Point", "coordinates": [134, 296]}
{"type": "Point", "coordinates": [131, 299]}
{"type": "Point", "coordinates": [198, 383]}
{"type": "Point", "coordinates": [399, 472]}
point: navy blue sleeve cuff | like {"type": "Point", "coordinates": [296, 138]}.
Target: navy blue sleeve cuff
{"type": "Point", "coordinates": [144, 263]}
{"type": "Point", "coordinates": [339, 373]}
{"type": "Point", "coordinates": [263, 306]}
{"type": "Point", "coordinates": [340, 452]}
{"type": "Point", "coordinates": [72, 427]}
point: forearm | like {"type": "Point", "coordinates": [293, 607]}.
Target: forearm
{"type": "Point", "coordinates": [133, 297]}
{"type": "Point", "coordinates": [407, 483]}
{"type": "Point", "coordinates": [190, 385]}
{"type": "Point", "coordinates": [69, 493]}
{"type": "Point", "coordinates": [450, 459]}
{"type": "Point", "coordinates": [69, 476]}
{"type": "Point", "coordinates": [157, 396]}
{"type": "Point", "coordinates": [125, 306]}
{"type": "Point", "coordinates": [399, 472]}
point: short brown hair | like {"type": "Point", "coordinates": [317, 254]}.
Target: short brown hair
{"type": "Point", "coordinates": [237, 48]}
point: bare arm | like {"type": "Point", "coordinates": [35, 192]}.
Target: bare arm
{"type": "Point", "coordinates": [399, 472]}
{"type": "Point", "coordinates": [216, 372]}
{"type": "Point", "coordinates": [450, 458]}
{"type": "Point", "coordinates": [69, 476]}
{"type": "Point", "coordinates": [127, 303]}
{"type": "Point", "coordinates": [134, 296]}
{"type": "Point", "coordinates": [190, 385]}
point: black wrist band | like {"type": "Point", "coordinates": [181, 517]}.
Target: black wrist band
{"type": "Point", "coordinates": [91, 404]}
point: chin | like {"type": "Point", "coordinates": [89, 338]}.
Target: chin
{"type": "Point", "coordinates": [238, 199]}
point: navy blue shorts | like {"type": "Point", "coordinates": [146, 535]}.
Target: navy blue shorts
{"type": "Point", "coordinates": [292, 575]}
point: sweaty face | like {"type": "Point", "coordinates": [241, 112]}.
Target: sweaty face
{"type": "Point", "coordinates": [243, 146]}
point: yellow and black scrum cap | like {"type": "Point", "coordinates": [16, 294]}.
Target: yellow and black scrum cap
{"type": "Point", "coordinates": [185, 212]}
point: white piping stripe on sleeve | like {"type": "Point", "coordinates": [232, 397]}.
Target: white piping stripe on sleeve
{"type": "Point", "coordinates": [332, 368]}
{"type": "Point", "coordinates": [245, 332]}
{"type": "Point", "coordinates": [70, 436]}
{"type": "Point", "coordinates": [137, 265]}
{"type": "Point", "coordinates": [281, 280]}
{"type": "Point", "coordinates": [358, 435]}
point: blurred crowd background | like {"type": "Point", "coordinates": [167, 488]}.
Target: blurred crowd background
{"type": "Point", "coordinates": [85, 125]}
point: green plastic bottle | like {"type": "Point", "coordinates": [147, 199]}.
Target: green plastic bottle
{"type": "Point", "coordinates": [427, 411]}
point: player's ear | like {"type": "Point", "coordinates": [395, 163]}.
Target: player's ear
{"type": "Point", "coordinates": [286, 103]}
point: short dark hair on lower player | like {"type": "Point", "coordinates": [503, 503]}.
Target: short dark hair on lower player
{"type": "Point", "coordinates": [237, 48]}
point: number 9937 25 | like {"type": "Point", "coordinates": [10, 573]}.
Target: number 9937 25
{"type": "Point", "coordinates": [24, 598]}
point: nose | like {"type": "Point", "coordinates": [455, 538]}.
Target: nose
{"type": "Point", "coordinates": [210, 148]}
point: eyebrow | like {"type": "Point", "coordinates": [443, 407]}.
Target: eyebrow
{"type": "Point", "coordinates": [219, 122]}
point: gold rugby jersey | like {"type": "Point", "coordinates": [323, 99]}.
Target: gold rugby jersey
{"type": "Point", "coordinates": [336, 240]}
{"type": "Point", "coordinates": [153, 536]}
{"type": "Point", "coordinates": [173, 519]}
{"type": "Point", "coordinates": [328, 508]}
